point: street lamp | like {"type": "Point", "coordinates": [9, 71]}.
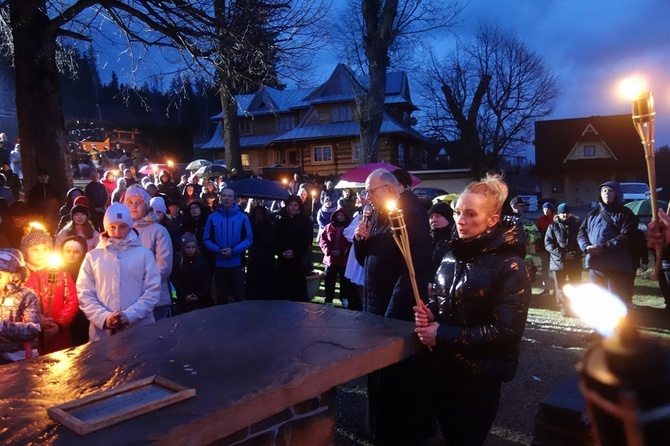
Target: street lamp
{"type": "Point", "coordinates": [625, 377]}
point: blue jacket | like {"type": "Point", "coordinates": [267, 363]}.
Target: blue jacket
{"type": "Point", "coordinates": [228, 228]}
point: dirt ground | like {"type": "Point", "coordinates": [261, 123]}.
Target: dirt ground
{"type": "Point", "coordinates": [551, 347]}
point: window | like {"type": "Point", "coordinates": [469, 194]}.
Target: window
{"type": "Point", "coordinates": [246, 127]}
{"type": "Point", "coordinates": [285, 123]}
{"type": "Point", "coordinates": [341, 113]}
{"type": "Point", "coordinates": [589, 151]}
{"type": "Point", "coordinates": [322, 154]}
{"type": "Point", "coordinates": [292, 158]}
{"type": "Point", "coordinates": [245, 160]}
{"type": "Point", "coordinates": [355, 152]}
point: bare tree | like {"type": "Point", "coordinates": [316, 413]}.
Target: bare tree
{"type": "Point", "coordinates": [32, 31]}
{"type": "Point", "coordinates": [374, 32]}
{"type": "Point", "coordinates": [488, 95]}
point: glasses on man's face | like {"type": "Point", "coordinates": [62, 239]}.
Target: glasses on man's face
{"type": "Point", "coordinates": [371, 192]}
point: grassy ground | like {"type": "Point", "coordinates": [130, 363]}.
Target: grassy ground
{"type": "Point", "coordinates": [551, 347]}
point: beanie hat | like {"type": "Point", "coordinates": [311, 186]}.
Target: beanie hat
{"type": "Point", "coordinates": [158, 204]}
{"type": "Point", "coordinates": [76, 241]}
{"type": "Point", "coordinates": [11, 260]}
{"type": "Point", "coordinates": [548, 205]}
{"type": "Point", "coordinates": [563, 208]}
{"type": "Point", "coordinates": [19, 209]}
{"type": "Point", "coordinates": [79, 208]}
{"type": "Point", "coordinates": [82, 200]}
{"type": "Point", "coordinates": [138, 191]}
{"type": "Point", "coordinates": [145, 181]}
{"type": "Point", "coordinates": [37, 237]}
{"type": "Point", "coordinates": [444, 210]}
{"type": "Point", "coordinates": [187, 238]}
{"type": "Point", "coordinates": [116, 213]}
{"type": "Point", "coordinates": [294, 198]}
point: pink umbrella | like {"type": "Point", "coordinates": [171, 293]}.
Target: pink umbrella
{"type": "Point", "coordinates": [153, 168]}
{"type": "Point", "coordinates": [360, 174]}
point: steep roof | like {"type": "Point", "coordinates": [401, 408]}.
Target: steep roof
{"type": "Point", "coordinates": [556, 140]}
{"type": "Point", "coordinates": [347, 128]}
{"type": "Point", "coordinates": [341, 86]}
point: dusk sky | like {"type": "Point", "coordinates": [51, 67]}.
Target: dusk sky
{"type": "Point", "coordinates": [590, 45]}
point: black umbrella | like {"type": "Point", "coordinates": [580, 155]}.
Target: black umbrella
{"type": "Point", "coordinates": [259, 188]}
{"type": "Point", "coordinates": [212, 170]}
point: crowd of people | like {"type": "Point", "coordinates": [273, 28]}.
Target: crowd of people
{"type": "Point", "coordinates": [184, 246]}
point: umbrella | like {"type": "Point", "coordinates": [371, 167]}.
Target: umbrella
{"type": "Point", "coordinates": [360, 174]}
{"type": "Point", "coordinates": [344, 184]}
{"type": "Point", "coordinates": [259, 188]}
{"type": "Point", "coordinates": [211, 170]}
{"type": "Point", "coordinates": [197, 164]}
{"type": "Point", "coordinates": [643, 207]}
{"type": "Point", "coordinates": [153, 168]}
{"type": "Point", "coordinates": [448, 198]}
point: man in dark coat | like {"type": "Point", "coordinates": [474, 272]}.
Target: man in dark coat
{"type": "Point", "coordinates": [608, 238]}
{"type": "Point", "coordinates": [168, 187]}
{"type": "Point", "coordinates": [397, 411]}
{"type": "Point", "coordinates": [13, 181]}
{"type": "Point", "coordinates": [44, 199]}
{"type": "Point", "coordinates": [97, 195]}
{"type": "Point", "coordinates": [565, 257]}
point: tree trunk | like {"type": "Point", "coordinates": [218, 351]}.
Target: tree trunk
{"type": "Point", "coordinates": [372, 114]}
{"type": "Point", "coordinates": [378, 19]}
{"type": "Point", "coordinates": [231, 131]}
{"type": "Point", "coordinates": [468, 125]}
{"type": "Point", "coordinates": [39, 108]}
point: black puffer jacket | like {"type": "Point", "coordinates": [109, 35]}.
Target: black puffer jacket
{"type": "Point", "coordinates": [482, 303]}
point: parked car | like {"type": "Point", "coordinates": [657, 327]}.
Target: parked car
{"type": "Point", "coordinates": [634, 191]}
{"type": "Point", "coordinates": [426, 195]}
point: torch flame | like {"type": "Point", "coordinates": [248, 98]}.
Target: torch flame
{"type": "Point", "coordinates": [55, 260]}
{"type": "Point", "coordinates": [391, 205]}
{"type": "Point", "coordinates": [284, 180]}
{"type": "Point", "coordinates": [632, 88]}
{"type": "Point", "coordinates": [596, 306]}
{"type": "Point", "coordinates": [313, 193]}
{"type": "Point", "coordinates": [170, 163]}
{"type": "Point", "coordinates": [36, 226]}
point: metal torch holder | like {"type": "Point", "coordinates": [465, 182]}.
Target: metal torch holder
{"type": "Point", "coordinates": [626, 389]}
{"type": "Point", "coordinates": [401, 238]}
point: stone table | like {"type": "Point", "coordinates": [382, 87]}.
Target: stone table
{"type": "Point", "coordinates": [255, 365]}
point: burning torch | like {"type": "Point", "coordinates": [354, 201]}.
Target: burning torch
{"type": "Point", "coordinates": [625, 377]}
{"type": "Point", "coordinates": [643, 119]}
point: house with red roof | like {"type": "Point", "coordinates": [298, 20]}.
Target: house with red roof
{"type": "Point", "coordinates": [574, 156]}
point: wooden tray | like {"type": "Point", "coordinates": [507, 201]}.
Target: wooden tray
{"type": "Point", "coordinates": [112, 406]}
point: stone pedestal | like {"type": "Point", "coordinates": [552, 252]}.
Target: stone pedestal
{"type": "Point", "coordinates": [264, 373]}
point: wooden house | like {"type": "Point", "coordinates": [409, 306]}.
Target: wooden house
{"type": "Point", "coordinates": [574, 156]}
{"type": "Point", "coordinates": [316, 130]}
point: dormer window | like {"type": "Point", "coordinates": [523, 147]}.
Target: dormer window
{"type": "Point", "coordinates": [245, 127]}
{"type": "Point", "coordinates": [285, 123]}
{"type": "Point", "coordinates": [589, 151]}
{"type": "Point", "coordinates": [341, 113]}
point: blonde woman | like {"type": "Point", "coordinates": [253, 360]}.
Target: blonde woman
{"type": "Point", "coordinates": [475, 319]}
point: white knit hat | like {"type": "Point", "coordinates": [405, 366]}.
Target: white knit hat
{"type": "Point", "coordinates": [117, 212]}
{"type": "Point", "coordinates": [138, 191]}
{"type": "Point", "coordinates": [158, 204]}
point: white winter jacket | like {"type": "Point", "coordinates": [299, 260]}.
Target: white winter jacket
{"type": "Point", "coordinates": [118, 275]}
{"type": "Point", "coordinates": [156, 238]}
